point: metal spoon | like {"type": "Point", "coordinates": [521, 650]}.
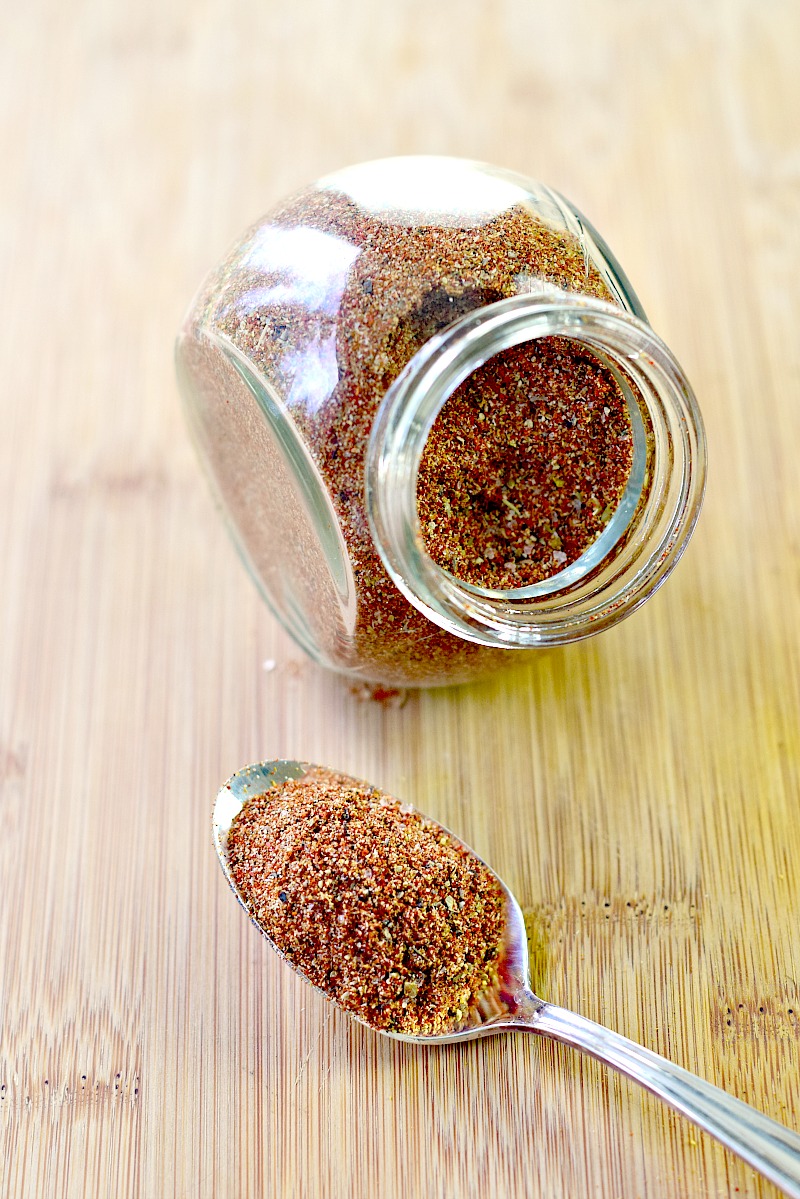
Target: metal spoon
{"type": "Point", "coordinates": [767, 1146]}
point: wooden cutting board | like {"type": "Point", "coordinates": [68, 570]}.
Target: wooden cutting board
{"type": "Point", "coordinates": [638, 791]}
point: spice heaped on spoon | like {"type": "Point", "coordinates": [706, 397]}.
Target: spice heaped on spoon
{"type": "Point", "coordinates": [377, 906]}
{"type": "Point", "coordinates": [399, 923]}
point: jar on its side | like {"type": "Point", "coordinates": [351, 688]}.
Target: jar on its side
{"type": "Point", "coordinates": [437, 421]}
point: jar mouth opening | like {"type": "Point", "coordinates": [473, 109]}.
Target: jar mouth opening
{"type": "Point", "coordinates": [645, 534]}
{"type": "Point", "coordinates": [605, 541]}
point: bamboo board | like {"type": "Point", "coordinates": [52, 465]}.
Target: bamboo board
{"type": "Point", "coordinates": [638, 791]}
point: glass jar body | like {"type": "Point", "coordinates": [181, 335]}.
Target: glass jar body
{"type": "Point", "coordinates": [306, 348]}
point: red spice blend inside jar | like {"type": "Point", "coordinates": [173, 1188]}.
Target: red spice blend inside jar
{"type": "Point", "coordinates": [525, 465]}
{"type": "Point", "coordinates": [286, 360]}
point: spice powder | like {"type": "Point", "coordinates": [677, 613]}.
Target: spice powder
{"type": "Point", "coordinates": [524, 467]}
{"type": "Point", "coordinates": [380, 908]}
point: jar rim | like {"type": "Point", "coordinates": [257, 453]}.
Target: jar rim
{"type": "Point", "coordinates": [576, 603]}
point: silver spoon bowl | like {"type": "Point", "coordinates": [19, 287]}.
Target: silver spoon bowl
{"type": "Point", "coordinates": [770, 1148]}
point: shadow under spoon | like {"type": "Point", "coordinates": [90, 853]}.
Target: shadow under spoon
{"type": "Point", "coordinates": [769, 1147]}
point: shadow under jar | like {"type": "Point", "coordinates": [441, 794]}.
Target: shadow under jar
{"type": "Point", "coordinates": [437, 421]}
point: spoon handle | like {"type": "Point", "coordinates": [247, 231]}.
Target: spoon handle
{"type": "Point", "coordinates": [769, 1147]}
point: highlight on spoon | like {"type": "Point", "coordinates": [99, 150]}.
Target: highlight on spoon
{"type": "Point", "coordinates": [383, 910]}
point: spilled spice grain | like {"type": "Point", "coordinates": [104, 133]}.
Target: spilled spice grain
{"type": "Point", "coordinates": [376, 905]}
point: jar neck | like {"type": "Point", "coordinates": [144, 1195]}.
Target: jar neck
{"type": "Point", "coordinates": [644, 538]}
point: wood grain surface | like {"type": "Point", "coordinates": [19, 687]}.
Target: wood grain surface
{"type": "Point", "coordinates": [639, 791]}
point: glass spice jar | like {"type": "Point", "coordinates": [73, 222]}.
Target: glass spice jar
{"type": "Point", "coordinates": [438, 422]}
